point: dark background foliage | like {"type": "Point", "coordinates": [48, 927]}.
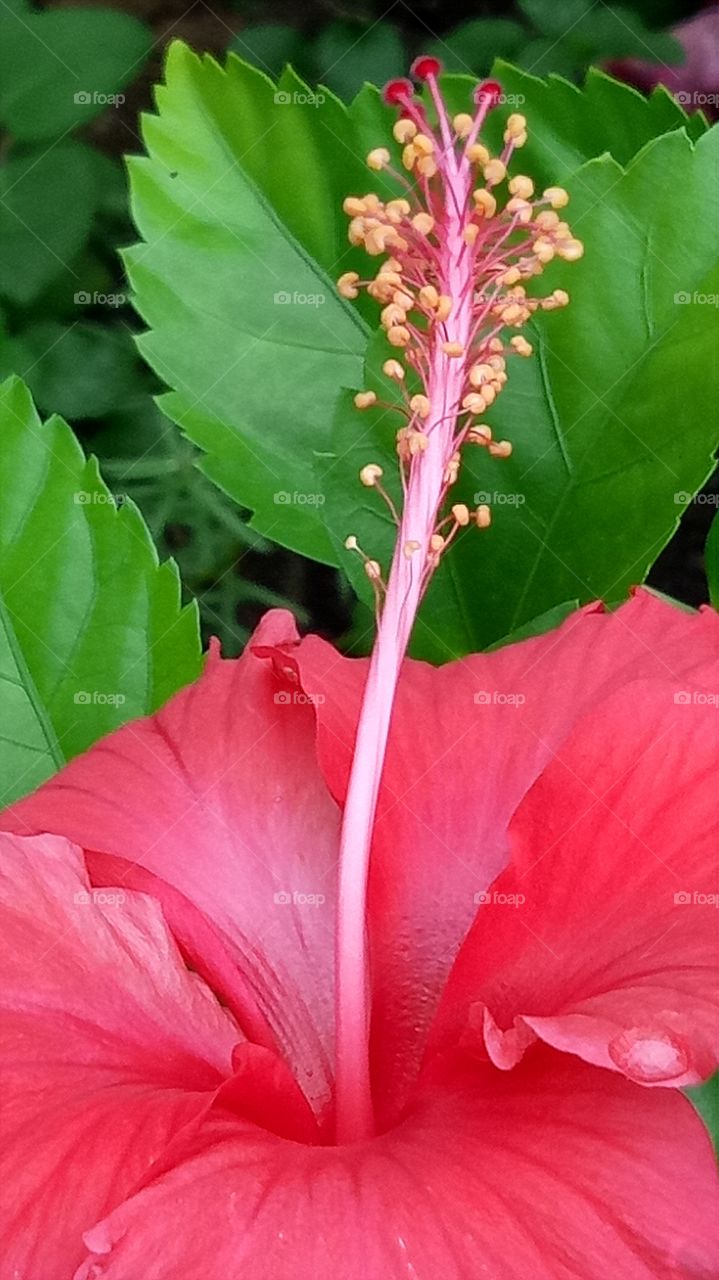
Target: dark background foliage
{"type": "Point", "coordinates": [66, 322]}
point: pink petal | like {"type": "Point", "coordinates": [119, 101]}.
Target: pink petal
{"type": "Point", "coordinates": [463, 752]}
{"type": "Point", "coordinates": [558, 1172]}
{"type": "Point", "coordinates": [602, 937]}
{"type": "Point", "coordinates": [109, 1049]}
{"type": "Point", "coordinates": [219, 796]}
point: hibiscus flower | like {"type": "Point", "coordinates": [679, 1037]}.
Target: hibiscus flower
{"type": "Point", "coordinates": [544, 973]}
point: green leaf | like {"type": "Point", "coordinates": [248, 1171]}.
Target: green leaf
{"type": "Point", "coordinates": [570, 125]}
{"type": "Point", "coordinates": [346, 55]}
{"type": "Point", "coordinates": [83, 370]}
{"type": "Point", "coordinates": [706, 1101]}
{"type": "Point", "coordinates": [62, 68]}
{"type": "Point", "coordinates": [91, 629]}
{"type": "Point", "coordinates": [239, 202]}
{"type": "Point", "coordinates": [240, 205]}
{"type": "Point", "coordinates": [711, 561]}
{"type": "Point", "coordinates": [268, 46]}
{"type": "Point", "coordinates": [607, 433]}
{"type": "Point", "coordinates": [473, 46]}
{"type": "Point", "coordinates": [47, 201]}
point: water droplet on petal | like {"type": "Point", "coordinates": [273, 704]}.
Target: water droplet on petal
{"type": "Point", "coordinates": [649, 1055]}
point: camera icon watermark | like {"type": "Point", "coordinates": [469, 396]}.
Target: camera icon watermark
{"type": "Point", "coordinates": [299, 99]}
{"type": "Point", "coordinates": [297, 698]}
{"type": "Point", "coordinates": [695, 698]}
{"type": "Point", "coordinates": [684, 298]}
{"type": "Point", "coordinates": [83, 298]}
{"type": "Point", "coordinates": [96, 698]}
{"type": "Point", "coordinates": [297, 899]}
{"type": "Point", "coordinates": [96, 498]}
{"type": "Point", "coordinates": [282, 498]}
{"type": "Point", "coordinates": [85, 98]}
{"type": "Point", "coordinates": [99, 897]}
{"type": "Point", "coordinates": [283, 298]}
{"type": "Point", "coordinates": [499, 698]}
{"type": "Point", "coordinates": [493, 897]}
{"type": "Point", "coordinates": [695, 898]}
{"type": "Point", "coordinates": [498, 499]}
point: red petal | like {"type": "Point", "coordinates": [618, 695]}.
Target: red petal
{"type": "Point", "coordinates": [457, 769]}
{"type": "Point", "coordinates": [558, 1171]}
{"type": "Point", "coordinates": [220, 796]}
{"type": "Point", "coordinates": [108, 1048]}
{"type": "Point", "coordinates": [601, 937]}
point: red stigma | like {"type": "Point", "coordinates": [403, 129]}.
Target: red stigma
{"type": "Point", "coordinates": [425, 66]}
{"type": "Point", "coordinates": [396, 91]}
{"type": "Point", "coordinates": [491, 89]}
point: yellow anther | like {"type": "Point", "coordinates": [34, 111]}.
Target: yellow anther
{"type": "Point", "coordinates": [423, 222]}
{"type": "Point", "coordinates": [373, 570]}
{"type": "Point", "coordinates": [544, 249]}
{"type": "Point", "coordinates": [488, 394]}
{"type": "Point", "coordinates": [370, 474]}
{"type": "Point", "coordinates": [495, 344]}
{"type": "Point", "coordinates": [520, 345]}
{"type": "Point", "coordinates": [470, 233]}
{"type": "Point", "coordinates": [516, 125]}
{"type": "Point", "coordinates": [423, 144]}
{"type": "Point", "coordinates": [375, 241]}
{"type": "Point", "coordinates": [556, 196]}
{"type": "Point", "coordinates": [478, 154]}
{"type": "Point", "coordinates": [494, 171]}
{"type": "Point", "coordinates": [480, 374]}
{"type": "Point", "coordinates": [444, 307]}
{"type": "Point", "coordinates": [462, 124]}
{"type": "Point", "coordinates": [521, 186]}
{"type": "Point", "coordinates": [547, 220]}
{"type": "Point", "coordinates": [520, 209]}
{"type": "Point", "coordinates": [398, 335]}
{"type": "Point", "coordinates": [570, 250]}
{"type": "Point", "coordinates": [454, 349]}
{"type": "Point", "coordinates": [426, 166]}
{"type": "Point", "coordinates": [416, 442]}
{"type": "Point", "coordinates": [451, 470]}
{"type": "Point", "coordinates": [436, 542]}
{"type": "Point", "coordinates": [485, 203]}
{"type": "Point", "coordinates": [561, 297]}
{"type": "Point", "coordinates": [410, 547]}
{"type": "Point", "coordinates": [498, 363]}
{"type": "Point", "coordinates": [512, 313]}
{"type": "Point", "coordinates": [378, 158]}
{"type": "Point", "coordinates": [347, 284]}
{"type": "Point", "coordinates": [372, 202]}
{"type": "Point", "coordinates": [479, 434]}
{"type": "Point", "coordinates": [393, 369]}
{"type": "Point", "coordinates": [404, 131]}
{"type": "Point", "coordinates": [474, 402]}
{"type": "Point", "coordinates": [351, 543]}
{"type": "Point", "coordinates": [428, 296]}
{"type": "Point", "coordinates": [461, 513]}
{"type": "Point", "coordinates": [354, 207]}
{"type": "Point", "coordinates": [483, 516]}
{"type": "Point", "coordinates": [409, 155]}
{"type": "Point", "coordinates": [520, 139]}
{"type": "Point", "coordinates": [356, 231]}
{"type": "Point", "coordinates": [500, 449]}
{"type": "Point", "coordinates": [393, 315]}
{"type": "Point", "coordinates": [398, 209]}
{"type": "Point", "coordinates": [403, 299]}
{"type": "Point", "coordinates": [364, 399]}
{"type": "Point", "coordinates": [419, 404]}
{"type": "Point", "coordinates": [511, 276]}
